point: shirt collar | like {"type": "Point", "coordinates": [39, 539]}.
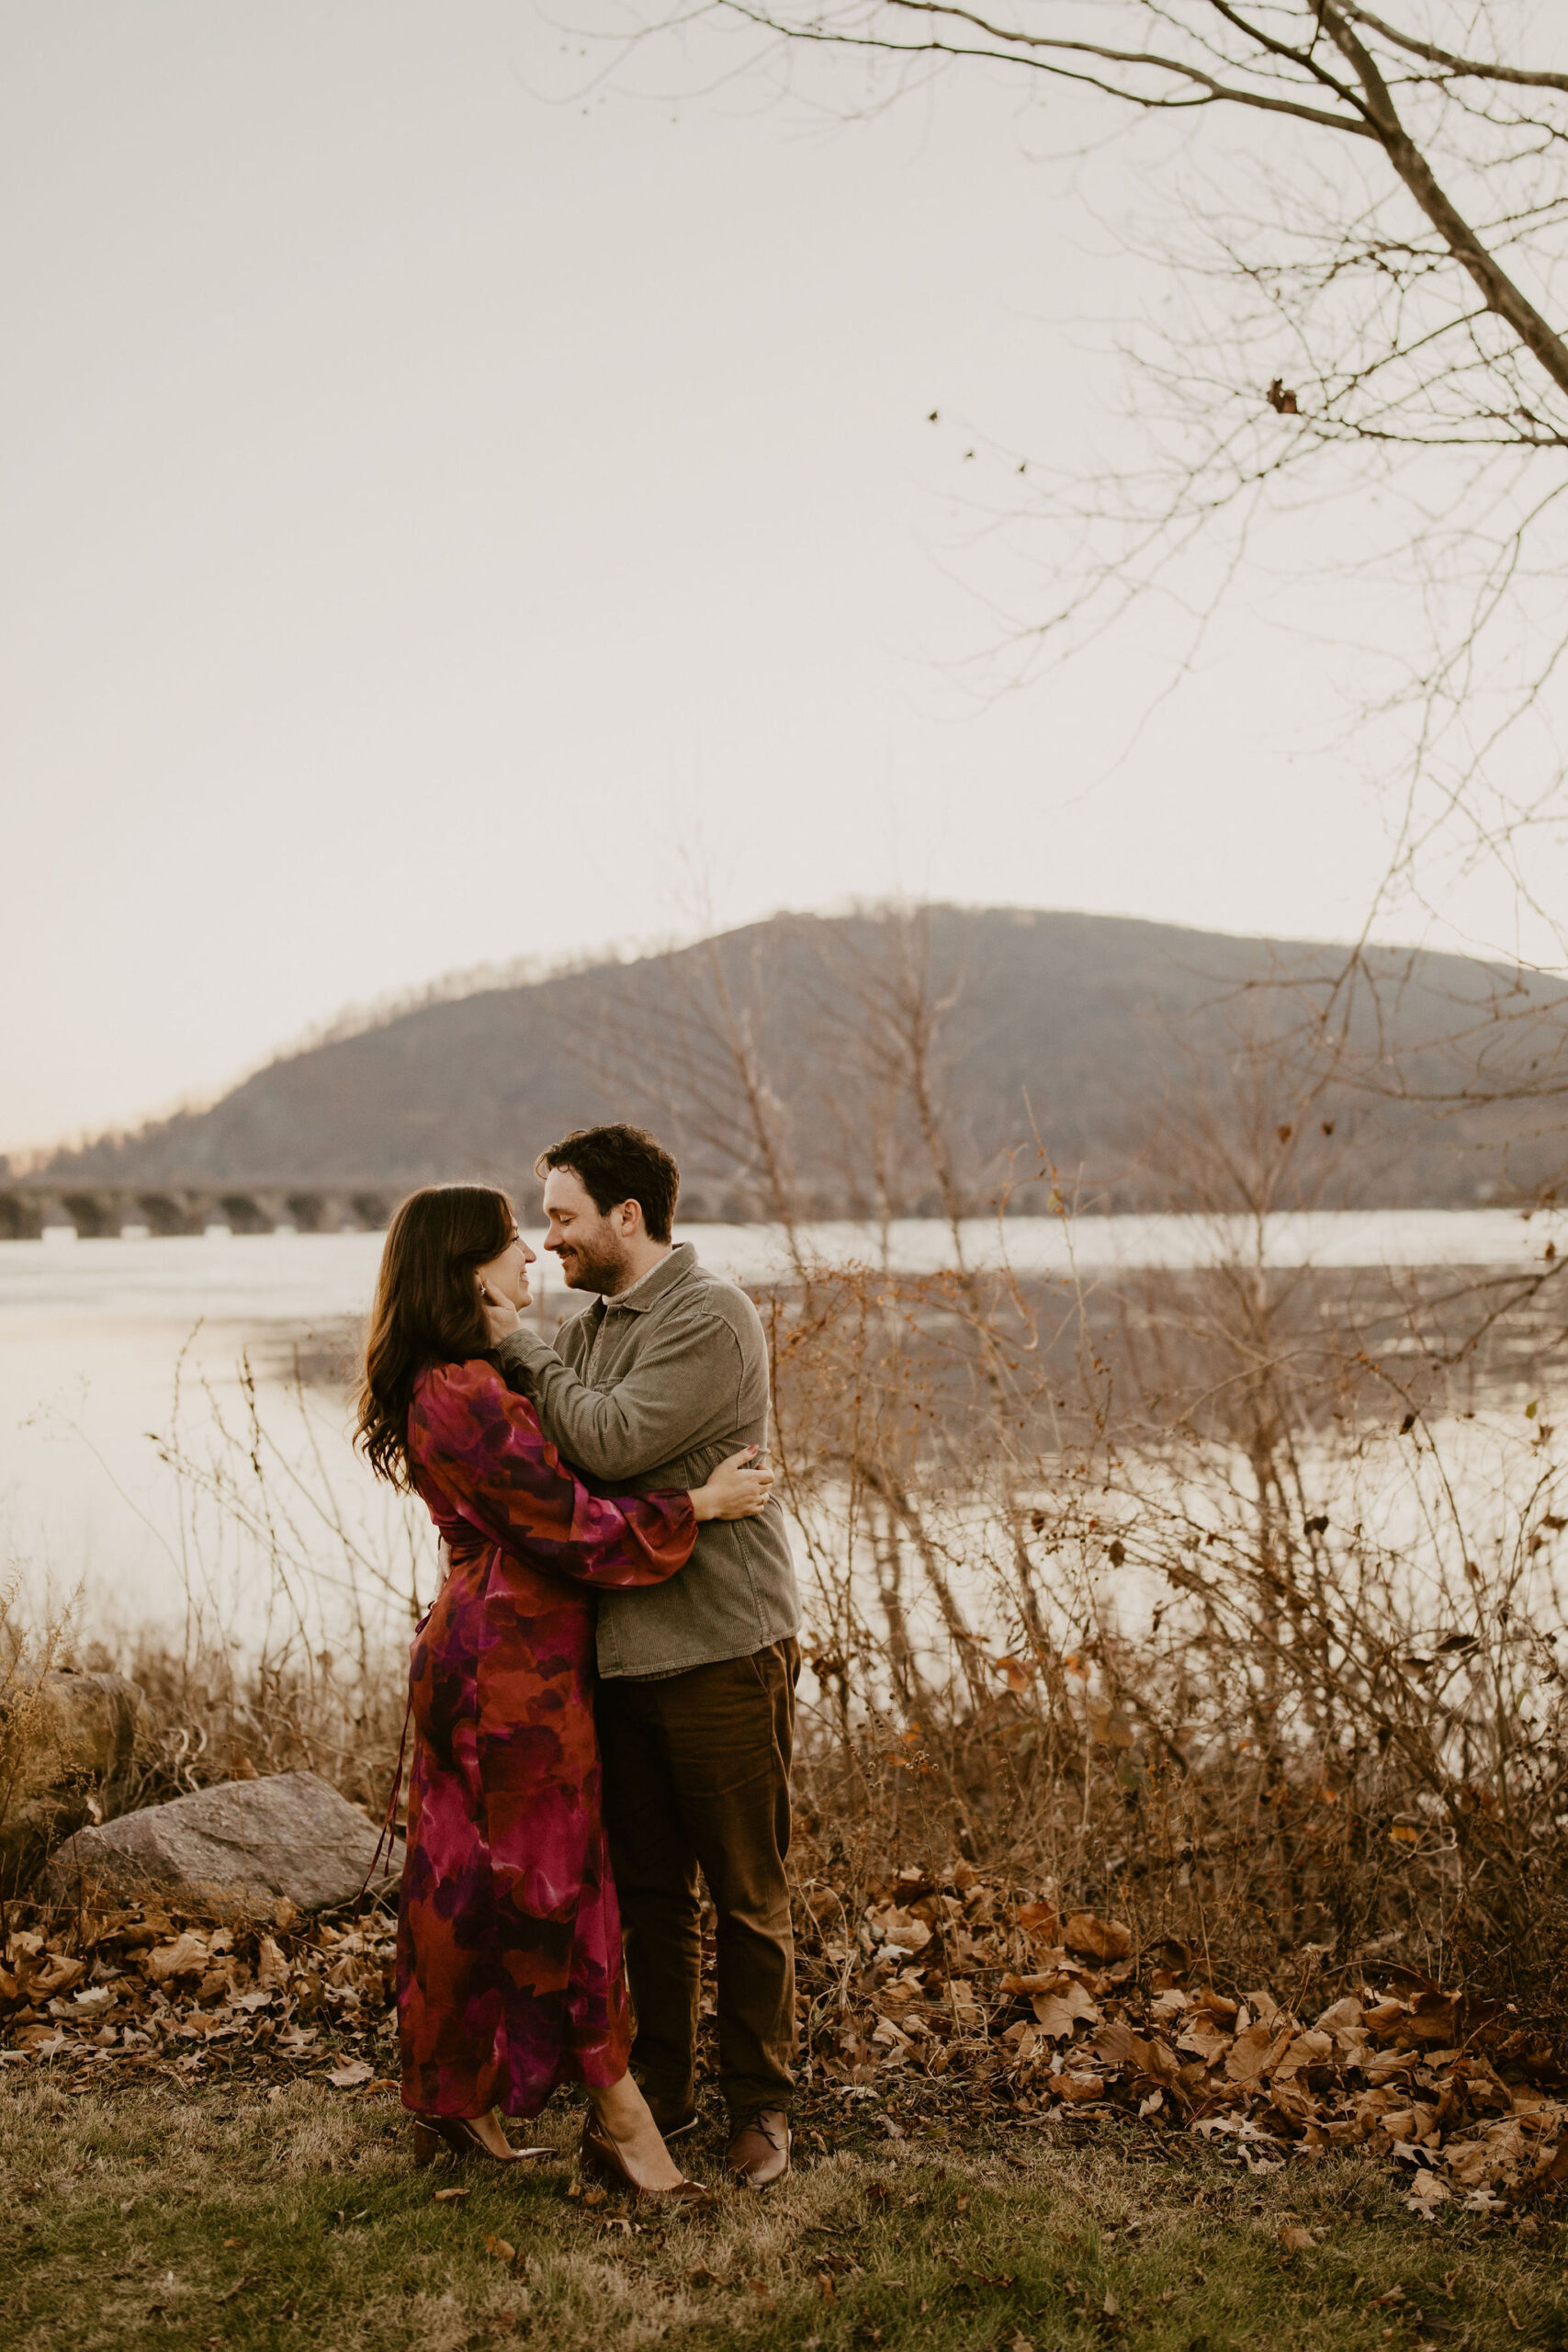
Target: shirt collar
{"type": "Point", "coordinates": [651, 1287]}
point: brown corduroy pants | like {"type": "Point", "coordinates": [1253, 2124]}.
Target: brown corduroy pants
{"type": "Point", "coordinates": [696, 1778]}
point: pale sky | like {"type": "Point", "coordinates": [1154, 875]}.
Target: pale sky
{"type": "Point", "coordinates": [443, 521]}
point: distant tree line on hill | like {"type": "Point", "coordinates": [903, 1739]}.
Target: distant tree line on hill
{"type": "Point", "coordinates": [941, 1060]}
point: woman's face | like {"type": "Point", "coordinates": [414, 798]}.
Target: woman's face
{"type": "Point", "coordinates": [507, 1276]}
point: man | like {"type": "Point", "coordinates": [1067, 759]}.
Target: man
{"type": "Point", "coordinates": [664, 1375]}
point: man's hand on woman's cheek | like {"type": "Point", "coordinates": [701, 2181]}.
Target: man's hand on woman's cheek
{"type": "Point", "coordinates": [501, 1315]}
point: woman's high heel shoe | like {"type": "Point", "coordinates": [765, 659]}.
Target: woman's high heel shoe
{"type": "Point", "coordinates": [434, 2133]}
{"type": "Point", "coordinates": [599, 2150]}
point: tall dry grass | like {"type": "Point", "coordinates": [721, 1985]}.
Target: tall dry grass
{"type": "Point", "coordinates": [1262, 1656]}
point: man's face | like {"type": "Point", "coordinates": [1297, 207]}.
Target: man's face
{"type": "Point", "coordinates": [592, 1248]}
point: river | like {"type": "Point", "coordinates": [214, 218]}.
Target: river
{"type": "Point", "coordinates": [99, 1340]}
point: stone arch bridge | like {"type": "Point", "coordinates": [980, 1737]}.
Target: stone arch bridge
{"type": "Point", "coordinates": [96, 1210]}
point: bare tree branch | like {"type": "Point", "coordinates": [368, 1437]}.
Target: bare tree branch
{"type": "Point", "coordinates": [1487, 70]}
{"type": "Point", "coordinates": [1497, 290]}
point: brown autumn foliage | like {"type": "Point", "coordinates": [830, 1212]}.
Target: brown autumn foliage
{"type": "Point", "coordinates": [1262, 1684]}
{"type": "Point", "coordinates": [944, 1998]}
{"type": "Point", "coordinates": [964, 1996]}
{"type": "Point", "coordinates": [112, 1997]}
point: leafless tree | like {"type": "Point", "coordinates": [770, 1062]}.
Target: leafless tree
{"type": "Point", "coordinates": [1363, 312]}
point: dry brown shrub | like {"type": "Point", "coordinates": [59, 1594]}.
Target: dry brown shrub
{"type": "Point", "coordinates": [1201, 1597]}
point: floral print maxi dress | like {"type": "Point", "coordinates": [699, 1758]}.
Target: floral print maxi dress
{"type": "Point", "coordinates": [509, 1937]}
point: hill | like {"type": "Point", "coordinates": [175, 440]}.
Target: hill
{"type": "Point", "coordinates": [899, 1059]}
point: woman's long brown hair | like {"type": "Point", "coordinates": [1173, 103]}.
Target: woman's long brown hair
{"type": "Point", "coordinates": [426, 1309]}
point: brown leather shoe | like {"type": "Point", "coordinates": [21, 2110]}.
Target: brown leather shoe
{"type": "Point", "coordinates": [759, 2148]}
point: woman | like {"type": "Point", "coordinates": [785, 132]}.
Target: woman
{"type": "Point", "coordinates": [510, 1976]}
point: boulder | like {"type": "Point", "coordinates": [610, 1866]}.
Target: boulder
{"type": "Point", "coordinates": [66, 1742]}
{"type": "Point", "coordinates": [239, 1845]}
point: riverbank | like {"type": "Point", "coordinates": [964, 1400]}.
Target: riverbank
{"type": "Point", "coordinates": [1178, 1650]}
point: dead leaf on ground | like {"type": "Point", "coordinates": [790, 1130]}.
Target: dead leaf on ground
{"type": "Point", "coordinates": [1087, 1932]}
{"type": "Point", "coordinates": [1077, 2089]}
{"type": "Point", "coordinates": [1039, 1920]}
{"type": "Point", "coordinates": [1253, 2053]}
{"type": "Point", "coordinates": [1057, 2016]}
{"type": "Point", "coordinates": [187, 1954]}
{"type": "Point", "coordinates": [271, 1968]}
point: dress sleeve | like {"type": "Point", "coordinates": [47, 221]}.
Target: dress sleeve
{"type": "Point", "coordinates": [501, 1472]}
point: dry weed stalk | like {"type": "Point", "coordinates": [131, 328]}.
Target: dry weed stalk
{"type": "Point", "coordinates": [28, 1656]}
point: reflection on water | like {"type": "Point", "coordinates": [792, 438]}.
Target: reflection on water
{"type": "Point", "coordinates": [93, 1335]}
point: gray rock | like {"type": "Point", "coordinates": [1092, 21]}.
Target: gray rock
{"type": "Point", "coordinates": [66, 1742]}
{"type": "Point", "coordinates": [243, 1843]}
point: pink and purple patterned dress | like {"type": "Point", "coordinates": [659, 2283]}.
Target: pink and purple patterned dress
{"type": "Point", "coordinates": [509, 1937]}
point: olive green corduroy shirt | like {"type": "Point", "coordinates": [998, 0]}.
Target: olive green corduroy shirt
{"type": "Point", "coordinates": [652, 1390]}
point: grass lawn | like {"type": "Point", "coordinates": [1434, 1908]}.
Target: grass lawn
{"type": "Point", "coordinates": [212, 2217]}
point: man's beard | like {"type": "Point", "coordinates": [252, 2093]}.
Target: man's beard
{"type": "Point", "coordinates": [600, 1268]}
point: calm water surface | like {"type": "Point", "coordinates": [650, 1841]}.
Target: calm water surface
{"type": "Point", "coordinates": [94, 1335]}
